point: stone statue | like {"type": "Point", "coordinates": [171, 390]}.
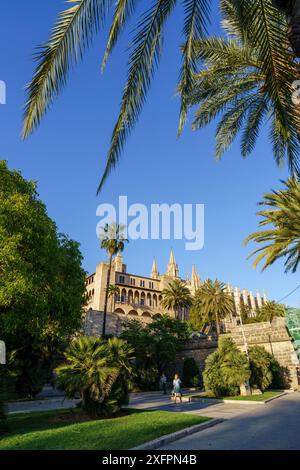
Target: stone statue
{"type": "Point", "coordinates": [291, 8]}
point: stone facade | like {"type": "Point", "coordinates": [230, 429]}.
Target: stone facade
{"type": "Point", "coordinates": [140, 297]}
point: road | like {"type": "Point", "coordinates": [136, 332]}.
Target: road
{"type": "Point", "coordinates": [274, 426]}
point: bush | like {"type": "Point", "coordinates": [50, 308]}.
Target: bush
{"type": "Point", "coordinates": [226, 369]}
{"type": "Point", "coordinates": [155, 347]}
{"type": "Point", "coordinates": [100, 371]}
{"type": "Point", "coordinates": [265, 370]}
{"type": "Point", "coordinates": [190, 372]}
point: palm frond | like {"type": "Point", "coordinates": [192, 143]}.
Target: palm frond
{"type": "Point", "coordinates": [72, 33]}
{"type": "Point", "coordinates": [147, 48]}
{"type": "Point", "coordinates": [195, 24]}
{"type": "Point", "coordinates": [123, 11]}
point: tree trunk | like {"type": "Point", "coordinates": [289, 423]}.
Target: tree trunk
{"type": "Point", "coordinates": [217, 325]}
{"type": "Point", "coordinates": [106, 297]}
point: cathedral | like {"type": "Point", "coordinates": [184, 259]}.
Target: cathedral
{"type": "Point", "coordinates": [140, 297]}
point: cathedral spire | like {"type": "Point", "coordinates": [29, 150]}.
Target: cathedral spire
{"type": "Point", "coordinates": [172, 269]}
{"type": "Point", "coordinates": [195, 279]}
{"type": "Point", "coordinates": [154, 271]}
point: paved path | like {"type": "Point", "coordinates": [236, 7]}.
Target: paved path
{"type": "Point", "coordinates": [274, 426]}
{"type": "Point", "coordinates": [157, 401]}
{"type": "Point", "coordinates": [41, 405]}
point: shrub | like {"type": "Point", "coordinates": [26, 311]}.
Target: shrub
{"type": "Point", "coordinates": [190, 372]}
{"type": "Point", "coordinates": [226, 369]}
{"type": "Point", "coordinates": [265, 370]}
{"type": "Point", "coordinates": [155, 347]}
{"type": "Point", "coordinates": [99, 370]}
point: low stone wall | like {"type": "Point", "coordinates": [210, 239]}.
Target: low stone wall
{"type": "Point", "coordinates": [273, 337]}
{"type": "Point", "coordinates": [276, 340]}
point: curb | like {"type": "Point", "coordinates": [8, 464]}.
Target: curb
{"type": "Point", "coordinates": [161, 441]}
{"type": "Point", "coordinates": [235, 402]}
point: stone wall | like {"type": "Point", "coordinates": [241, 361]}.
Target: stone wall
{"type": "Point", "coordinates": [273, 337]}
{"type": "Point", "coordinates": [94, 321]}
{"type": "Point", "coordinates": [276, 340]}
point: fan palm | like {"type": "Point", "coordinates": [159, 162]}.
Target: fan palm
{"type": "Point", "coordinates": [76, 27]}
{"type": "Point", "coordinates": [248, 78]}
{"type": "Point", "coordinates": [113, 291]}
{"type": "Point", "coordinates": [212, 303]}
{"type": "Point", "coordinates": [96, 369]}
{"type": "Point", "coordinates": [280, 234]}
{"type": "Point", "coordinates": [270, 310]}
{"type": "Point", "coordinates": [113, 241]}
{"type": "Point", "coordinates": [176, 296]}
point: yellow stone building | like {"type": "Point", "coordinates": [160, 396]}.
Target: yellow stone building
{"type": "Point", "coordinates": [140, 297]}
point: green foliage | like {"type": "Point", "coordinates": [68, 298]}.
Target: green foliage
{"type": "Point", "coordinates": [247, 79]}
{"type": "Point", "coordinates": [265, 370]}
{"type": "Point", "coordinates": [42, 283]}
{"type": "Point", "coordinates": [99, 371]}
{"type": "Point", "coordinates": [190, 372]}
{"type": "Point", "coordinates": [225, 369]}
{"type": "Point", "coordinates": [155, 347]}
{"type": "Point", "coordinates": [247, 85]}
{"type": "Point", "coordinates": [280, 234]}
{"type": "Point", "coordinates": [270, 310]}
{"type": "Point", "coordinates": [211, 304]}
{"type": "Point", "coordinates": [176, 296]}
{"type": "Point", "coordinates": [245, 315]}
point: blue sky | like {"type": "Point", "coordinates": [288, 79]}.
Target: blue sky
{"type": "Point", "coordinates": [67, 154]}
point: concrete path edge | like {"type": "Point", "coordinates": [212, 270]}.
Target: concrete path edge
{"type": "Point", "coordinates": [244, 402]}
{"type": "Point", "coordinates": [175, 436]}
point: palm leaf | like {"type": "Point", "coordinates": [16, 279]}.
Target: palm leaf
{"type": "Point", "coordinates": [196, 14]}
{"type": "Point", "coordinates": [123, 11]}
{"type": "Point", "coordinates": [147, 48]}
{"type": "Point", "coordinates": [72, 33]}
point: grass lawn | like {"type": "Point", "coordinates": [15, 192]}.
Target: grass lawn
{"type": "Point", "coordinates": [69, 430]}
{"type": "Point", "coordinates": [262, 397]}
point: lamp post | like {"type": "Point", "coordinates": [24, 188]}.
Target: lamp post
{"type": "Point", "coordinates": [2, 353]}
{"type": "Point", "coordinates": [248, 388]}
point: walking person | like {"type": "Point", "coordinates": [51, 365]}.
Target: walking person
{"type": "Point", "coordinates": [163, 383]}
{"type": "Point", "coordinates": [177, 388]}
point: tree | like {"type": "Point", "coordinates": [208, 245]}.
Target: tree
{"type": "Point", "coordinates": [113, 241]}
{"type": "Point", "coordinates": [42, 283]}
{"type": "Point", "coordinates": [75, 29]}
{"type": "Point", "coordinates": [97, 370]}
{"type": "Point", "coordinates": [242, 79]}
{"type": "Point", "coordinates": [176, 296]}
{"type": "Point", "coordinates": [226, 369]}
{"type": "Point", "coordinates": [113, 291]}
{"type": "Point", "coordinates": [211, 304]}
{"type": "Point", "coordinates": [155, 345]}
{"type": "Point", "coordinates": [281, 238]}
{"type": "Point", "coordinates": [270, 310]}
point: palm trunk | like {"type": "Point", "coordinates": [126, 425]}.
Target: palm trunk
{"type": "Point", "coordinates": [106, 297]}
{"type": "Point", "coordinates": [217, 325]}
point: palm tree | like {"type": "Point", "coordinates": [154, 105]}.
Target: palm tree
{"type": "Point", "coordinates": [113, 241]}
{"type": "Point", "coordinates": [248, 78]}
{"type": "Point", "coordinates": [212, 303]}
{"type": "Point", "coordinates": [270, 310]}
{"type": "Point", "coordinates": [113, 291]}
{"type": "Point", "coordinates": [96, 369]}
{"type": "Point", "coordinates": [176, 296]}
{"type": "Point", "coordinates": [281, 228]}
{"type": "Point", "coordinates": [76, 27]}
